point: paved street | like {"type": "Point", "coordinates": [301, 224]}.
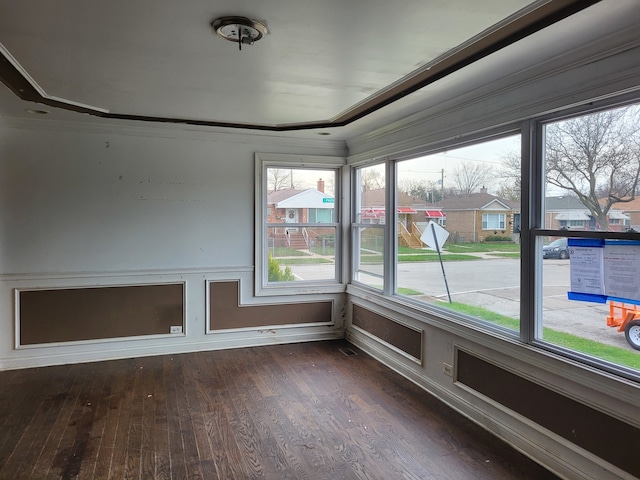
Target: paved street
{"type": "Point", "coordinates": [494, 284]}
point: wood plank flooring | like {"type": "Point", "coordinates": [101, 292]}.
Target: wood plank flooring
{"type": "Point", "coordinates": [303, 411]}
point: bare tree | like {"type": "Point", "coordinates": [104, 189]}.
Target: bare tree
{"type": "Point", "coordinates": [469, 177]}
{"type": "Point", "coordinates": [279, 179]}
{"type": "Point", "coordinates": [371, 179]}
{"type": "Point", "coordinates": [597, 158]}
{"type": "Point", "coordinates": [421, 189]}
{"type": "Point", "coordinates": [511, 177]}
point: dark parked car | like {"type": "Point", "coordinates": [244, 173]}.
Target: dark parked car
{"type": "Point", "coordinates": [556, 249]}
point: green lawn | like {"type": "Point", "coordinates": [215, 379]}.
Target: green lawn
{"type": "Point", "coordinates": [408, 291]}
{"type": "Point", "coordinates": [286, 252]}
{"type": "Point", "coordinates": [402, 290]}
{"type": "Point", "coordinates": [481, 247]}
{"type": "Point", "coordinates": [505, 255]}
{"type": "Point", "coordinates": [320, 250]}
{"type": "Point", "coordinates": [506, 250]}
{"type": "Point", "coordinates": [420, 257]}
{"type": "Point", "coordinates": [409, 250]}
{"type": "Point", "coordinates": [303, 261]}
{"type": "Point", "coordinates": [613, 354]}
{"type": "Point", "coordinates": [407, 254]}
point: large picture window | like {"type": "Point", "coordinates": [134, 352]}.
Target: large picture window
{"type": "Point", "coordinates": [476, 189]}
{"type": "Point", "coordinates": [590, 297]}
{"type": "Point", "coordinates": [573, 200]}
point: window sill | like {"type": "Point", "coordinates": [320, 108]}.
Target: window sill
{"type": "Point", "coordinates": [300, 289]}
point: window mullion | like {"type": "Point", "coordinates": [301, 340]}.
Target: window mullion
{"type": "Point", "coordinates": [390, 243]}
{"type": "Point", "coordinates": [531, 207]}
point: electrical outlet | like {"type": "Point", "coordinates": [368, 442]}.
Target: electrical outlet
{"type": "Point", "coordinates": [175, 329]}
{"type": "Point", "coordinates": [447, 369]}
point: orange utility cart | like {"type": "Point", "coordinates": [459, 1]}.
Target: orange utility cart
{"type": "Point", "coordinates": [626, 317]}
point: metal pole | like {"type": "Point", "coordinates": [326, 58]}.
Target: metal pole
{"type": "Point", "coordinates": [444, 275]}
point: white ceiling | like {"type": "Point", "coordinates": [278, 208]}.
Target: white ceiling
{"type": "Point", "coordinates": [160, 58]}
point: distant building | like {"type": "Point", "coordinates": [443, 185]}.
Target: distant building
{"type": "Point", "coordinates": [293, 206]}
{"type": "Point", "coordinates": [567, 212]}
{"type": "Point", "coordinates": [474, 217]}
{"type": "Point", "coordinates": [413, 214]}
{"type": "Point", "coordinates": [632, 210]}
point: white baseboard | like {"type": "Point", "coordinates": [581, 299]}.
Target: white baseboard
{"type": "Point", "coordinates": [114, 351]}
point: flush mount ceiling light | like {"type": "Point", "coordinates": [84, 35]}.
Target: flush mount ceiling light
{"type": "Point", "coordinates": [241, 30]}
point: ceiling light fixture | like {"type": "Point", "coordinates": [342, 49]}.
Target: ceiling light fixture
{"type": "Point", "coordinates": [241, 30]}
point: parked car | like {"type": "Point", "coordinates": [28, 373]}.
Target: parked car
{"type": "Point", "coordinates": [556, 249]}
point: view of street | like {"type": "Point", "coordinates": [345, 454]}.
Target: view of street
{"type": "Point", "coordinates": [499, 279]}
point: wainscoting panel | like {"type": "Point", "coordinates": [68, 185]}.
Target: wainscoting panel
{"type": "Point", "coordinates": [407, 339]}
{"type": "Point", "coordinates": [225, 311]}
{"type": "Point", "coordinates": [574, 421]}
{"type": "Point", "coordinates": [74, 314]}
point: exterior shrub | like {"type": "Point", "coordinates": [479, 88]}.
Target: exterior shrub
{"type": "Point", "coordinates": [276, 274]}
{"type": "Point", "coordinates": [497, 238]}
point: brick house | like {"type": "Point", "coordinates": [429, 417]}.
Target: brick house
{"type": "Point", "coordinates": [413, 214]}
{"type": "Point", "coordinates": [474, 217]}
{"type": "Point", "coordinates": [632, 210]}
{"type": "Point", "coordinates": [567, 212]}
{"type": "Point", "coordinates": [293, 206]}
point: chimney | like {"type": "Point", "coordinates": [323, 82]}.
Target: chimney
{"type": "Point", "coordinates": [483, 189]}
{"type": "Point", "coordinates": [321, 185]}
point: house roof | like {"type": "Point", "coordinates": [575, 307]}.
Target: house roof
{"type": "Point", "coordinates": [581, 215]}
{"type": "Point", "coordinates": [632, 206]}
{"type": "Point", "coordinates": [477, 201]}
{"type": "Point", "coordinates": [585, 215]}
{"type": "Point", "coordinates": [565, 202]}
{"type": "Point", "coordinates": [375, 198]}
{"type": "Point", "coordinates": [292, 198]}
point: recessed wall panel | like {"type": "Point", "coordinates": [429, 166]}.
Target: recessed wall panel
{"type": "Point", "coordinates": [225, 311]}
{"type": "Point", "coordinates": [66, 315]}
{"type": "Point", "coordinates": [401, 336]}
{"type": "Point", "coordinates": [603, 435]}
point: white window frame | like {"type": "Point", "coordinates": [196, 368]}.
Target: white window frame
{"type": "Point", "coordinates": [391, 263]}
{"type": "Point", "coordinates": [533, 201]}
{"type": "Point", "coordinates": [356, 269]}
{"type": "Point", "coordinates": [263, 161]}
{"type": "Point", "coordinates": [502, 219]}
{"type": "Point", "coordinates": [531, 230]}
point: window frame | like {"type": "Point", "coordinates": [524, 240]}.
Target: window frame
{"type": "Point", "coordinates": [263, 161]}
{"type": "Point", "coordinates": [531, 231]}
{"type": "Point", "coordinates": [393, 162]}
{"type": "Point", "coordinates": [381, 225]}
{"type": "Point", "coordinates": [537, 232]}
{"type": "Point", "coordinates": [502, 219]}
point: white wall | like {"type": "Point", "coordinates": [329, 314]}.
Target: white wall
{"type": "Point", "coordinates": [85, 206]}
{"type": "Point", "coordinates": [108, 201]}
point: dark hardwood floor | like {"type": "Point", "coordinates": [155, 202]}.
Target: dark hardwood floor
{"type": "Point", "coordinates": [303, 411]}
